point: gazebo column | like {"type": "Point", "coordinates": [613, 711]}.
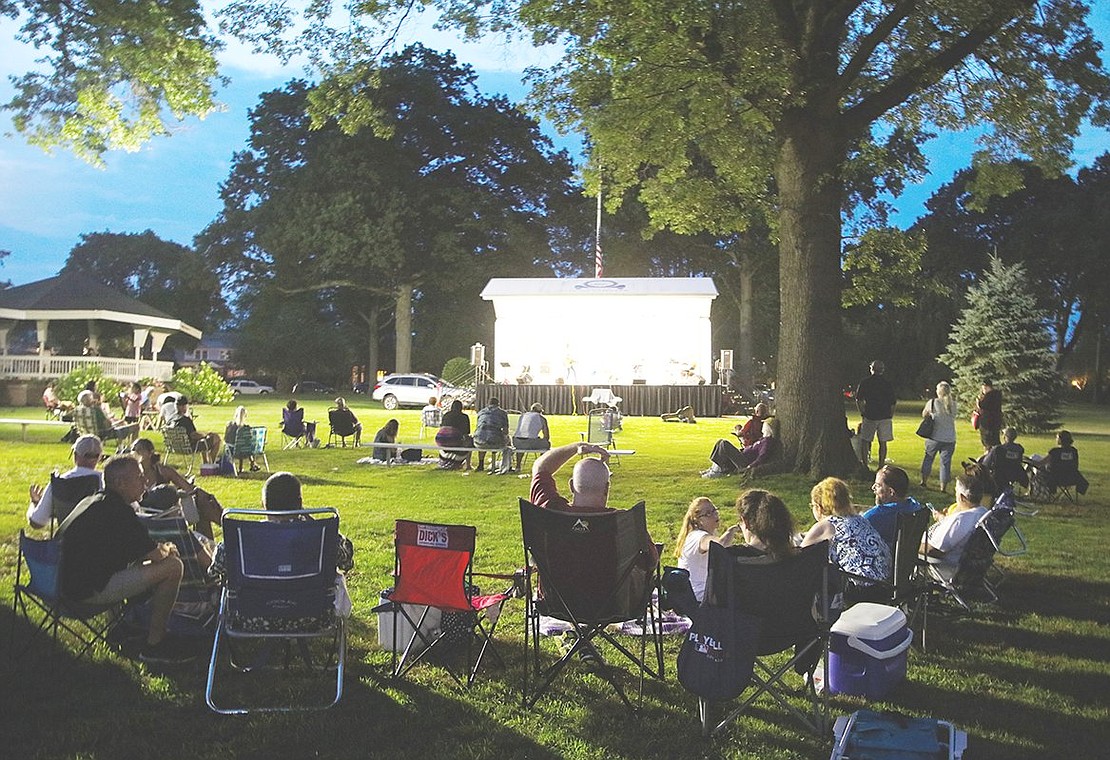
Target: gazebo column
{"type": "Point", "coordinates": [157, 341]}
{"type": "Point", "coordinates": [139, 340]}
{"type": "Point", "coordinates": [41, 327]}
{"type": "Point", "coordinates": [94, 337]}
{"type": "Point", "coordinates": [6, 326]}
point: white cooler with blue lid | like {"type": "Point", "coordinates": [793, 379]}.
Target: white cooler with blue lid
{"type": "Point", "coordinates": [867, 650]}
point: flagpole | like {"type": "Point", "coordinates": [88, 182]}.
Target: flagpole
{"type": "Point", "coordinates": [599, 267]}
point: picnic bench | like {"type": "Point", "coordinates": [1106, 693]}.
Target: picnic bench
{"type": "Point", "coordinates": [25, 422]}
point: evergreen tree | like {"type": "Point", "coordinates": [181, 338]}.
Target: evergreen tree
{"type": "Point", "coordinates": [1002, 335]}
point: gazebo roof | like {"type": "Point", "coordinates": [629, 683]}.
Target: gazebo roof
{"type": "Point", "coordinates": [74, 296]}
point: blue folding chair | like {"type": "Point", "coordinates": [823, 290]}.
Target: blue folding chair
{"type": "Point", "coordinates": [280, 590]}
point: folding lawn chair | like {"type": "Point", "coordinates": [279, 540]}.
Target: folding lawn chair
{"type": "Point", "coordinates": [177, 443]}
{"type": "Point", "coordinates": [194, 610]}
{"type": "Point", "coordinates": [249, 442]}
{"type": "Point", "coordinates": [589, 570]}
{"type": "Point", "coordinates": [280, 589]}
{"type": "Point", "coordinates": [339, 426]}
{"type": "Point", "coordinates": [67, 493]}
{"type": "Point", "coordinates": [780, 596]}
{"type": "Point", "coordinates": [39, 600]}
{"type": "Point", "coordinates": [972, 577]}
{"type": "Point", "coordinates": [433, 569]}
{"type": "Point", "coordinates": [430, 419]}
{"type": "Point", "coordinates": [293, 428]}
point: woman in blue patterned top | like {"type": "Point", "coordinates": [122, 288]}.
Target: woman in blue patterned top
{"type": "Point", "coordinates": [854, 545]}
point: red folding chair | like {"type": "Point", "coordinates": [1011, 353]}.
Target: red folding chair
{"type": "Point", "coordinates": [433, 569]}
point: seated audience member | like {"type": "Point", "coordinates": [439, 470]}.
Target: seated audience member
{"type": "Point", "coordinates": [344, 413]}
{"type": "Point", "coordinates": [752, 430]}
{"type": "Point", "coordinates": [766, 525]}
{"type": "Point", "coordinates": [492, 432]}
{"type": "Point", "coordinates": [1061, 467]}
{"type": "Point", "coordinates": [387, 434]}
{"type": "Point", "coordinates": [1006, 461]}
{"type": "Point", "coordinates": [293, 423]}
{"type": "Point", "coordinates": [282, 492]}
{"type": "Point", "coordinates": [455, 431]}
{"type": "Point", "coordinates": [86, 451]}
{"type": "Point", "coordinates": [109, 557]}
{"type": "Point", "coordinates": [854, 544]}
{"type": "Point", "coordinates": [532, 433]}
{"type": "Point", "coordinates": [163, 487]}
{"type": "Point", "coordinates": [53, 404]}
{"type": "Point", "coordinates": [133, 403]}
{"type": "Point", "coordinates": [892, 484]}
{"type": "Point", "coordinates": [431, 415]}
{"type": "Point", "coordinates": [948, 538]}
{"type": "Point", "coordinates": [231, 435]}
{"type": "Point", "coordinates": [167, 406]}
{"type": "Point", "coordinates": [698, 531]}
{"type": "Point", "coordinates": [89, 416]}
{"type": "Point", "coordinates": [589, 485]}
{"type": "Point", "coordinates": [208, 444]}
{"type": "Point", "coordinates": [729, 460]}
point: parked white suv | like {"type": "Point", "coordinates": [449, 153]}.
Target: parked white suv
{"type": "Point", "coordinates": [249, 387]}
{"type": "Point", "coordinates": [415, 390]}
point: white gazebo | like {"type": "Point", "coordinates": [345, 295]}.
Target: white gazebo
{"type": "Point", "coordinates": [643, 330]}
{"type": "Point", "coordinates": [78, 297]}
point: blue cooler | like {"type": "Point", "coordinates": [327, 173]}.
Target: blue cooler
{"type": "Point", "coordinates": [867, 650]}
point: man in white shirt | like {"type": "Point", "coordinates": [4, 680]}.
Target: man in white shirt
{"type": "Point", "coordinates": [949, 537]}
{"type": "Point", "coordinates": [87, 451]}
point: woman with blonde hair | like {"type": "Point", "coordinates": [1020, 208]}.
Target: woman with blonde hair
{"type": "Point", "coordinates": [854, 544]}
{"type": "Point", "coordinates": [699, 529]}
{"type": "Point", "coordinates": [231, 433]}
{"type": "Point", "coordinates": [943, 438]}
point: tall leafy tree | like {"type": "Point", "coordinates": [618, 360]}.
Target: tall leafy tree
{"type": "Point", "coordinates": [166, 275]}
{"type": "Point", "coordinates": [412, 194]}
{"type": "Point", "coordinates": [113, 72]}
{"type": "Point", "coordinates": [1002, 335]}
{"type": "Point", "coordinates": [800, 109]}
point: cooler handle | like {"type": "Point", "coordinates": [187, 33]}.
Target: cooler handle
{"type": "Point", "coordinates": [856, 643]}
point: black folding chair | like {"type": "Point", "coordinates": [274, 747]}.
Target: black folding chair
{"type": "Point", "coordinates": [589, 570]}
{"type": "Point", "coordinates": [788, 600]}
{"type": "Point", "coordinates": [67, 493]}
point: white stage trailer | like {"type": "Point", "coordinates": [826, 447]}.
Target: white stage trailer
{"type": "Point", "coordinates": [654, 330]}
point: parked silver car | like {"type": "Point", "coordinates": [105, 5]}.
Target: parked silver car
{"type": "Point", "coordinates": [249, 387]}
{"type": "Point", "coordinates": [415, 390]}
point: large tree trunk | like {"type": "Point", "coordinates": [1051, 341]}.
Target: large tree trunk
{"type": "Point", "coordinates": [745, 371]}
{"type": "Point", "coordinates": [373, 350]}
{"type": "Point", "coordinates": [808, 389]}
{"type": "Point", "coordinates": [403, 328]}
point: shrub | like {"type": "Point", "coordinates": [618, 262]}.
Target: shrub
{"type": "Point", "coordinates": [202, 385]}
{"type": "Point", "coordinates": [69, 385]}
{"type": "Point", "coordinates": [458, 371]}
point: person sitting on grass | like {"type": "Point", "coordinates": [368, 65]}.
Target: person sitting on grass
{"type": "Point", "coordinates": [387, 434]}
{"type": "Point", "coordinates": [752, 430]}
{"type": "Point", "coordinates": [109, 557]}
{"type": "Point", "coordinates": [728, 460]}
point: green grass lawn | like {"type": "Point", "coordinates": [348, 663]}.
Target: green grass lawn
{"type": "Point", "coordinates": [1027, 678]}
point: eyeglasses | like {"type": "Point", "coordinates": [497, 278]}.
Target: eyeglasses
{"type": "Point", "coordinates": [713, 511]}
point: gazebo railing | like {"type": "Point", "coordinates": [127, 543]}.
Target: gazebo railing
{"type": "Point", "coordinates": [34, 367]}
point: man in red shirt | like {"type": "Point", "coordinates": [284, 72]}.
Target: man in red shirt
{"type": "Point", "coordinates": [589, 481]}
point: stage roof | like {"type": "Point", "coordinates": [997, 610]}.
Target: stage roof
{"type": "Point", "coordinates": [617, 286]}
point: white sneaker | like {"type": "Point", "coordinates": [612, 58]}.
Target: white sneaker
{"type": "Point", "coordinates": [714, 472]}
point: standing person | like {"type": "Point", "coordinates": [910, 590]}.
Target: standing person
{"type": "Point", "coordinates": [943, 440]}
{"type": "Point", "coordinates": [532, 433]}
{"type": "Point", "coordinates": [133, 403]}
{"type": "Point", "coordinates": [492, 432]}
{"type": "Point", "coordinates": [698, 531]}
{"type": "Point", "coordinates": [875, 400]}
{"type": "Point", "coordinates": [111, 557]}
{"type": "Point", "coordinates": [989, 408]}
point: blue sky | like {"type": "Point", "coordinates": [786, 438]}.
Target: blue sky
{"type": "Point", "coordinates": [172, 185]}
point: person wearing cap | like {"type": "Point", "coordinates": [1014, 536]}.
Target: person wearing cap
{"type": "Point", "coordinates": [532, 433]}
{"type": "Point", "coordinates": [86, 451]}
{"type": "Point", "coordinates": [110, 557]}
{"type": "Point", "coordinates": [875, 400]}
{"type": "Point", "coordinates": [89, 414]}
{"type": "Point", "coordinates": [208, 444]}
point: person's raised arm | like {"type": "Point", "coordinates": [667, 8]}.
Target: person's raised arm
{"type": "Point", "coordinates": [550, 462]}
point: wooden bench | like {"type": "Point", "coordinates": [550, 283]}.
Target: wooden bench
{"type": "Point", "coordinates": [25, 422]}
{"type": "Point", "coordinates": [496, 450]}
